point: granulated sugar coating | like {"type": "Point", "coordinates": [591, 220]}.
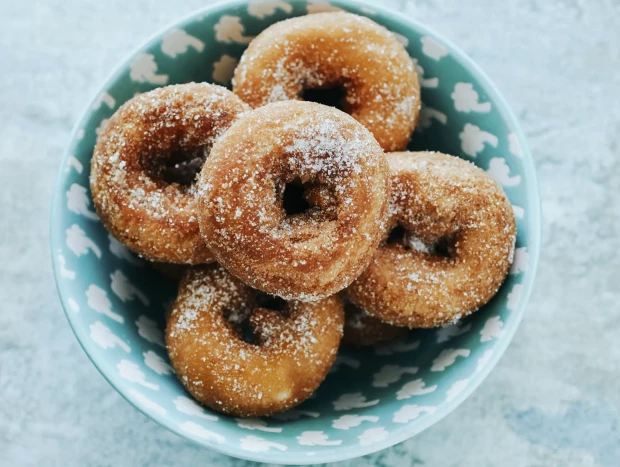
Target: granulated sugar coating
{"type": "Point", "coordinates": [455, 247]}
{"type": "Point", "coordinates": [361, 329]}
{"type": "Point", "coordinates": [341, 176]}
{"type": "Point", "coordinates": [336, 50]}
{"type": "Point", "coordinates": [135, 202]}
{"type": "Point", "coordinates": [292, 351]}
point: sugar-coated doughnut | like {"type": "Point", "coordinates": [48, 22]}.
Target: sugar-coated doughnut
{"type": "Point", "coordinates": [450, 245]}
{"type": "Point", "coordinates": [361, 329]}
{"type": "Point", "coordinates": [294, 199]}
{"type": "Point", "coordinates": [293, 346]}
{"type": "Point", "coordinates": [144, 164]}
{"type": "Point", "coordinates": [341, 51]}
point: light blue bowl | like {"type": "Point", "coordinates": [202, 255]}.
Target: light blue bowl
{"type": "Point", "coordinates": [374, 398]}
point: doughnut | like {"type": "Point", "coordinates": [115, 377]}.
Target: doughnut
{"type": "Point", "coordinates": [288, 353]}
{"type": "Point", "coordinates": [361, 329]}
{"type": "Point", "coordinates": [145, 162]}
{"type": "Point", "coordinates": [294, 198]}
{"type": "Point", "coordinates": [338, 58]}
{"type": "Point", "coordinates": [450, 244]}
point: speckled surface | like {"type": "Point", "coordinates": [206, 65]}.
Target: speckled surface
{"type": "Point", "coordinates": [553, 400]}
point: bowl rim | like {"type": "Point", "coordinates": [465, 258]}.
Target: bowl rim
{"type": "Point", "coordinates": [335, 453]}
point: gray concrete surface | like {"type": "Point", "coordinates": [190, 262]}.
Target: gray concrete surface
{"type": "Point", "coordinates": [554, 399]}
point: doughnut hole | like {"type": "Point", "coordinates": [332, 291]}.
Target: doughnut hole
{"type": "Point", "coordinates": [238, 320]}
{"type": "Point", "coordinates": [241, 319]}
{"type": "Point", "coordinates": [305, 204]}
{"type": "Point", "coordinates": [181, 167]}
{"type": "Point", "coordinates": [402, 238]}
{"type": "Point", "coordinates": [294, 198]}
{"type": "Point", "coordinates": [270, 302]}
{"type": "Point", "coordinates": [332, 95]}
{"type": "Point", "coordinates": [397, 237]}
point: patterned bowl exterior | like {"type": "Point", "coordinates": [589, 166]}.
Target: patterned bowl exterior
{"type": "Point", "coordinates": [373, 398]}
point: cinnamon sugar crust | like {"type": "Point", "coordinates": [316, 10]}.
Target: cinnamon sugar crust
{"type": "Point", "coordinates": [292, 350]}
{"type": "Point", "coordinates": [336, 50]}
{"type": "Point", "coordinates": [342, 175]}
{"type": "Point", "coordinates": [131, 170]}
{"type": "Point", "coordinates": [448, 247]}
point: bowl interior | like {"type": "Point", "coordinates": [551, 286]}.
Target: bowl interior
{"type": "Point", "coordinates": [374, 397]}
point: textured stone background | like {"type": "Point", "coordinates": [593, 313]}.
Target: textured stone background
{"type": "Point", "coordinates": [554, 400]}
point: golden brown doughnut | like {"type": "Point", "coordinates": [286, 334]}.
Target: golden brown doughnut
{"type": "Point", "coordinates": [293, 347]}
{"type": "Point", "coordinates": [320, 161]}
{"type": "Point", "coordinates": [338, 51]}
{"type": "Point", "coordinates": [361, 329]}
{"type": "Point", "coordinates": [450, 247]}
{"type": "Point", "coordinates": [148, 145]}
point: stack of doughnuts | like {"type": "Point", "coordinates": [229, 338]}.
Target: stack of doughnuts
{"type": "Point", "coordinates": [292, 222]}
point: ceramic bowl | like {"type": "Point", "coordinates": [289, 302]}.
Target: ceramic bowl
{"type": "Point", "coordinates": [373, 398]}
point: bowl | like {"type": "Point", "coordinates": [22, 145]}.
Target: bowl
{"type": "Point", "coordinates": [373, 398]}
